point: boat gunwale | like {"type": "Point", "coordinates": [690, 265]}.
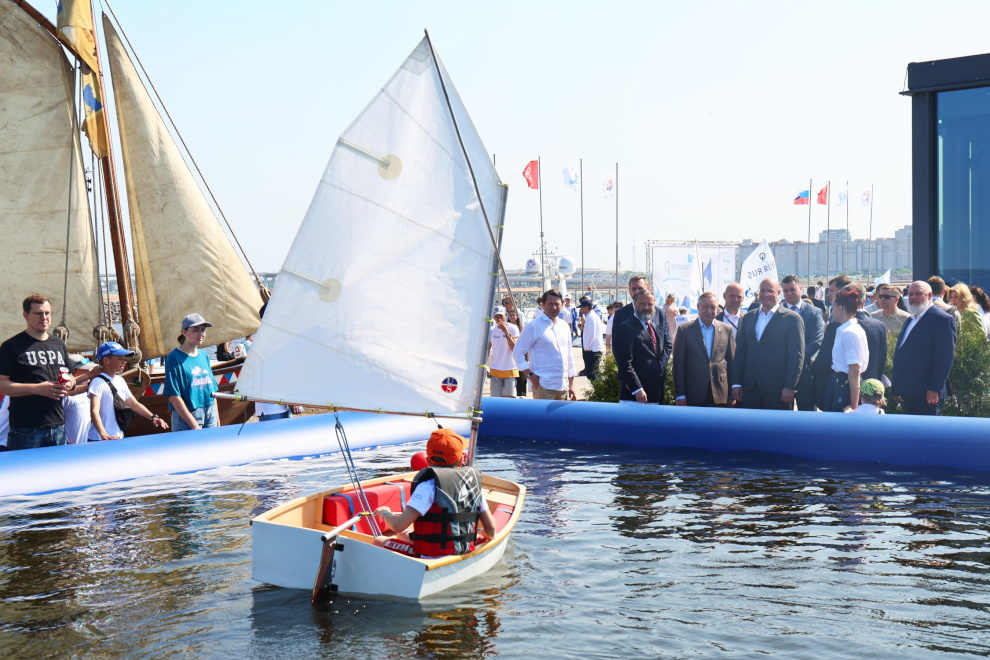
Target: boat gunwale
{"type": "Point", "coordinates": [495, 485]}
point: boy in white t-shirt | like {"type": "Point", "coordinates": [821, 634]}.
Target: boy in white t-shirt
{"type": "Point", "coordinates": [112, 358]}
{"type": "Point", "coordinates": [502, 366]}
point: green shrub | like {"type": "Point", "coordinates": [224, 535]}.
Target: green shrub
{"type": "Point", "coordinates": [606, 388]}
{"type": "Point", "coordinates": [969, 380]}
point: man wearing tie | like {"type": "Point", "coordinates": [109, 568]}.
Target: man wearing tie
{"type": "Point", "coordinates": [703, 354]}
{"type": "Point", "coordinates": [924, 354]}
{"type": "Point", "coordinates": [769, 354]}
{"type": "Point", "coordinates": [642, 346]}
{"type": "Point", "coordinates": [814, 329]}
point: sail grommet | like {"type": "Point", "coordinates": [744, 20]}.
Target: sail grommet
{"type": "Point", "coordinates": [330, 289]}
{"type": "Point", "coordinates": [389, 167]}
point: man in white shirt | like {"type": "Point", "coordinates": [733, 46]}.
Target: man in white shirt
{"type": "Point", "coordinates": [547, 339]}
{"type": "Point", "coordinates": [731, 314]}
{"type": "Point", "coordinates": [591, 340]}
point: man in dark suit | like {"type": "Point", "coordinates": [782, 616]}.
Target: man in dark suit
{"type": "Point", "coordinates": [703, 355]}
{"type": "Point", "coordinates": [642, 347]}
{"type": "Point", "coordinates": [924, 354]}
{"type": "Point", "coordinates": [876, 335]}
{"type": "Point", "coordinates": [769, 354]}
{"type": "Point", "coordinates": [814, 329]}
{"type": "Point", "coordinates": [637, 283]}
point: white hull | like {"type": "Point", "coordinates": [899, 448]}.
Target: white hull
{"type": "Point", "coordinates": [288, 544]}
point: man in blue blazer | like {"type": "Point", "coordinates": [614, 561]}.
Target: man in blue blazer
{"type": "Point", "coordinates": [769, 353]}
{"type": "Point", "coordinates": [924, 355]}
{"type": "Point", "coordinates": [814, 329]}
{"type": "Point", "coordinates": [642, 347]}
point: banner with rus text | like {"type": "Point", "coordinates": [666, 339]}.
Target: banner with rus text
{"type": "Point", "coordinates": [758, 266]}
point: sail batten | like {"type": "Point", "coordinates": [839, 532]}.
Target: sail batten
{"type": "Point", "coordinates": [396, 224]}
{"type": "Point", "coordinates": [183, 260]}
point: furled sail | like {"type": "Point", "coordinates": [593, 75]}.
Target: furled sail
{"type": "Point", "coordinates": [383, 301]}
{"type": "Point", "coordinates": [183, 260]}
{"type": "Point", "coordinates": [44, 213]}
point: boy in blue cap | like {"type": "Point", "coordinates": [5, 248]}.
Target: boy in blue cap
{"type": "Point", "coordinates": [107, 386]}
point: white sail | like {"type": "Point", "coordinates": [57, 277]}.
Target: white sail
{"type": "Point", "coordinates": [383, 301]}
{"type": "Point", "coordinates": [183, 260]}
{"type": "Point", "coordinates": [44, 214]}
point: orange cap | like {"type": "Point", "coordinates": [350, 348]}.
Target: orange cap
{"type": "Point", "coordinates": [445, 448]}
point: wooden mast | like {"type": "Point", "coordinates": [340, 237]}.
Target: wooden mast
{"type": "Point", "coordinates": [121, 266]}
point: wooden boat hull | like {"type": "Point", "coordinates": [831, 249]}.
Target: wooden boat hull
{"type": "Point", "coordinates": [151, 395]}
{"type": "Point", "coordinates": [287, 548]}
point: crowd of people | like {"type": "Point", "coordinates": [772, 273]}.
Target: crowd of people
{"type": "Point", "coordinates": [814, 348]}
{"type": "Point", "coordinates": [53, 397]}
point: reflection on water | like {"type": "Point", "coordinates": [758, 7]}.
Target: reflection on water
{"type": "Point", "coordinates": [639, 552]}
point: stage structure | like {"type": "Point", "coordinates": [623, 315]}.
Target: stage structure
{"type": "Point", "coordinates": [688, 268]}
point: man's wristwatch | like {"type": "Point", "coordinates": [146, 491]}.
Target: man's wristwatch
{"type": "Point", "coordinates": [154, 417]}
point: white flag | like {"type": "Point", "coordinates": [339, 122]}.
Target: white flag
{"type": "Point", "coordinates": [758, 266]}
{"type": "Point", "coordinates": [609, 188]}
{"type": "Point", "coordinates": [571, 177]}
{"type": "Point", "coordinates": [883, 279]}
{"type": "Point", "coordinates": [865, 198]}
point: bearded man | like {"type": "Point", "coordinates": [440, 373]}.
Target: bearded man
{"type": "Point", "coordinates": [925, 351]}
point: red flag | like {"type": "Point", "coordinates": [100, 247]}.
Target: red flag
{"type": "Point", "coordinates": [532, 174]}
{"type": "Point", "coordinates": [823, 195]}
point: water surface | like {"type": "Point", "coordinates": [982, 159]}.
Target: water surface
{"type": "Point", "coordinates": [641, 553]}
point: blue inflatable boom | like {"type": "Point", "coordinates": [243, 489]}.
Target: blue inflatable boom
{"type": "Point", "coordinates": [951, 442]}
{"type": "Point", "coordinates": [948, 442]}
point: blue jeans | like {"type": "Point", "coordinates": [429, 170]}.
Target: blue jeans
{"type": "Point", "coordinates": [206, 417]}
{"type": "Point", "coordinates": [28, 438]}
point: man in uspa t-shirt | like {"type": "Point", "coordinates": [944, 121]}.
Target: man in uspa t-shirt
{"type": "Point", "coordinates": [31, 364]}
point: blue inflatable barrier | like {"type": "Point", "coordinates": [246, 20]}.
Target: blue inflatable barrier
{"type": "Point", "coordinates": [952, 442]}
{"type": "Point", "coordinates": [50, 469]}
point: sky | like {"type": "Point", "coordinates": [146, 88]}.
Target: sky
{"type": "Point", "coordinates": [717, 113]}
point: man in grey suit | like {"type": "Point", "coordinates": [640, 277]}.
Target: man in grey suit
{"type": "Point", "coordinates": [814, 329]}
{"type": "Point", "coordinates": [769, 354]}
{"type": "Point", "coordinates": [703, 355]}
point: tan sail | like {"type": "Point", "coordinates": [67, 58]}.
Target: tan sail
{"type": "Point", "coordinates": [182, 258]}
{"type": "Point", "coordinates": [44, 214]}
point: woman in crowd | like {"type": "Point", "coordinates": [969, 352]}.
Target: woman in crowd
{"type": "Point", "coordinates": [189, 381]}
{"type": "Point", "coordinates": [982, 306]}
{"type": "Point", "coordinates": [670, 309]}
{"type": "Point", "coordinates": [960, 296]}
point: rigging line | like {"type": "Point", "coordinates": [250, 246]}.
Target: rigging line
{"type": "Point", "coordinates": [186, 147]}
{"type": "Point", "coordinates": [94, 227]}
{"type": "Point", "coordinates": [474, 179]}
{"type": "Point", "coordinates": [345, 449]}
{"type": "Point", "coordinates": [101, 221]}
{"type": "Point", "coordinates": [73, 154]}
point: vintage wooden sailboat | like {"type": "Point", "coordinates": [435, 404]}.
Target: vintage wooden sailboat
{"type": "Point", "coordinates": [408, 211]}
{"type": "Point", "coordinates": [181, 257]}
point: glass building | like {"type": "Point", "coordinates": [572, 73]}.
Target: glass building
{"type": "Point", "coordinates": [951, 168]}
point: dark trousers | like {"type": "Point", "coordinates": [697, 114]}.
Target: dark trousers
{"type": "Point", "coordinates": [521, 387]}
{"type": "Point", "coordinates": [837, 396]}
{"type": "Point", "coordinates": [918, 405]}
{"type": "Point", "coordinates": [805, 396]}
{"type": "Point", "coordinates": [591, 359]}
{"type": "Point", "coordinates": [756, 398]}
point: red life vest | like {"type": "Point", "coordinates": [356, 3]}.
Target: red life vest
{"type": "Point", "coordinates": [450, 526]}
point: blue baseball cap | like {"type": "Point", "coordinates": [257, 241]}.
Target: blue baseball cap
{"type": "Point", "coordinates": [111, 348]}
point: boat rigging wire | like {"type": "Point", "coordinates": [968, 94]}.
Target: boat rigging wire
{"type": "Point", "coordinates": [345, 451]}
{"type": "Point", "coordinates": [265, 292]}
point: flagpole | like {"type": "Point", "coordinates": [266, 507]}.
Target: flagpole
{"type": "Point", "coordinates": [871, 234]}
{"type": "Point", "coordinates": [845, 256]}
{"type": "Point", "coordinates": [809, 231]}
{"type": "Point", "coordinates": [581, 193]}
{"type": "Point", "coordinates": [828, 230]}
{"type": "Point", "coordinates": [616, 232]}
{"type": "Point", "coordinates": [539, 178]}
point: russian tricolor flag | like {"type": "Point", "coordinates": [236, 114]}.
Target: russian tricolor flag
{"type": "Point", "coordinates": [803, 197]}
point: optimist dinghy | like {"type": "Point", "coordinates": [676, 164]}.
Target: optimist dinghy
{"type": "Point", "coordinates": [410, 208]}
